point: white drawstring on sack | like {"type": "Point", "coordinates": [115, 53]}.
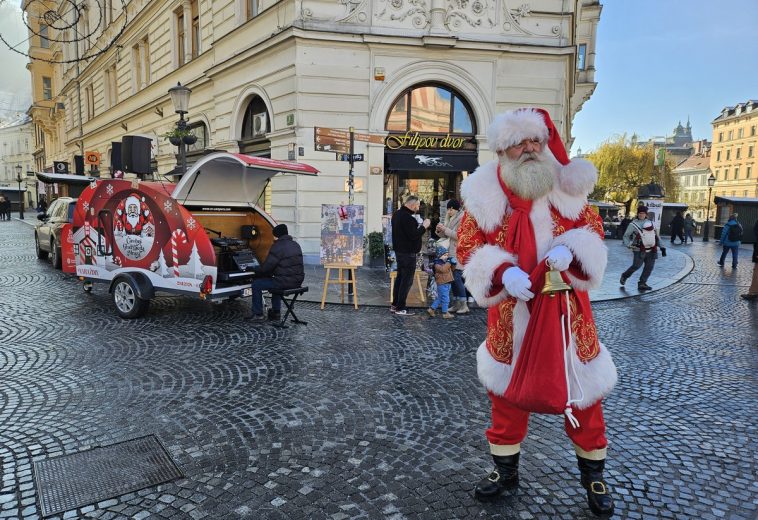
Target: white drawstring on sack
{"type": "Point", "coordinates": [567, 352]}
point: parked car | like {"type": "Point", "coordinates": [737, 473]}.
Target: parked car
{"type": "Point", "coordinates": [47, 233]}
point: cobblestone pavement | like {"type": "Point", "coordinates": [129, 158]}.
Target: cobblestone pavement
{"type": "Point", "coordinates": [362, 414]}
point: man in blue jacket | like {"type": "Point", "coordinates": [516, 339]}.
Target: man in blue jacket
{"type": "Point", "coordinates": [731, 238]}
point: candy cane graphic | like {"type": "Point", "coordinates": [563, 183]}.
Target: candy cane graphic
{"type": "Point", "coordinates": [176, 237]}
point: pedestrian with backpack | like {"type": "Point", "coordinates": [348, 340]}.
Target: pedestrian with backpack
{"type": "Point", "coordinates": [731, 239]}
{"type": "Point", "coordinates": [642, 238]}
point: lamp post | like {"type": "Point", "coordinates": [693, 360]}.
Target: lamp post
{"type": "Point", "coordinates": [20, 196]}
{"type": "Point", "coordinates": [180, 98]}
{"type": "Point", "coordinates": [711, 182]}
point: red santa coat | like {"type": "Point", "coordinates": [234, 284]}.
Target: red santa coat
{"type": "Point", "coordinates": [563, 217]}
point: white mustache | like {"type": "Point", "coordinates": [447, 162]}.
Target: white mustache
{"type": "Point", "coordinates": [526, 156]}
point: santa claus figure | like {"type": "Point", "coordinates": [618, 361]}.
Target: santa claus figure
{"type": "Point", "coordinates": [133, 216]}
{"type": "Point", "coordinates": [525, 209]}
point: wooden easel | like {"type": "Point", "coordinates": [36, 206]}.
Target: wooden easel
{"type": "Point", "coordinates": [342, 280]}
{"type": "Point", "coordinates": [421, 293]}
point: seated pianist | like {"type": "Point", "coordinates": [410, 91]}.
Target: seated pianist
{"type": "Point", "coordinates": [283, 269]}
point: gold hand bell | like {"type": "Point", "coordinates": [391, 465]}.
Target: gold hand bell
{"type": "Point", "coordinates": [554, 282]}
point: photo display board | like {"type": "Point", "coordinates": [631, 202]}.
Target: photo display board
{"type": "Point", "coordinates": [342, 230]}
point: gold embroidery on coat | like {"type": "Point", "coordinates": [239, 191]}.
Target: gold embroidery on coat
{"type": "Point", "coordinates": [585, 334]}
{"type": "Point", "coordinates": [500, 333]}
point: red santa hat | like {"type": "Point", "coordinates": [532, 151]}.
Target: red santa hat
{"type": "Point", "coordinates": [575, 177]}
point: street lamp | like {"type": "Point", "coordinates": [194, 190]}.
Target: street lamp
{"type": "Point", "coordinates": [711, 182]}
{"type": "Point", "coordinates": [180, 96]}
{"type": "Point", "coordinates": [20, 196]}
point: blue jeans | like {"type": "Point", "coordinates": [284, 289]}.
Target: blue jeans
{"type": "Point", "coordinates": [264, 284]}
{"type": "Point", "coordinates": [459, 290]}
{"type": "Point", "coordinates": [443, 297]}
{"type": "Point", "coordinates": [735, 251]}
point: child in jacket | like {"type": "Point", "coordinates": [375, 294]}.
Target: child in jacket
{"type": "Point", "coordinates": [443, 275]}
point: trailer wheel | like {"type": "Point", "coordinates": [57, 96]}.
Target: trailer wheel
{"type": "Point", "coordinates": [41, 254]}
{"type": "Point", "coordinates": [56, 257]}
{"type": "Point", "coordinates": [128, 304]}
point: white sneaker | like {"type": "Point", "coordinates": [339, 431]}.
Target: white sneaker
{"type": "Point", "coordinates": [404, 312]}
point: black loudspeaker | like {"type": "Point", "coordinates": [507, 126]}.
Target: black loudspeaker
{"type": "Point", "coordinates": [249, 232]}
{"type": "Point", "coordinates": [116, 156]}
{"type": "Point", "coordinates": [135, 154]}
{"type": "Point", "coordinates": [79, 164]}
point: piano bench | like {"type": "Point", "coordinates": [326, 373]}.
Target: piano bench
{"type": "Point", "coordinates": [290, 304]}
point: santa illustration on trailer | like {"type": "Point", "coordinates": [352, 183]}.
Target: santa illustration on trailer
{"type": "Point", "coordinates": [527, 217]}
{"type": "Point", "coordinates": [134, 227]}
{"type": "Point", "coordinates": [133, 216]}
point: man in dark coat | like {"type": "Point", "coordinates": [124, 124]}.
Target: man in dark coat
{"type": "Point", "coordinates": [283, 269]}
{"type": "Point", "coordinates": [677, 227]}
{"type": "Point", "coordinates": [407, 231]}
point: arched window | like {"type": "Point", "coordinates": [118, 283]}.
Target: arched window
{"type": "Point", "coordinates": [256, 123]}
{"type": "Point", "coordinates": [431, 108]}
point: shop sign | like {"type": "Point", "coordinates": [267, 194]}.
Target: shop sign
{"type": "Point", "coordinates": [415, 141]}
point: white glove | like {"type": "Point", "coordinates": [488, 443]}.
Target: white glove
{"type": "Point", "coordinates": [560, 258]}
{"type": "Point", "coordinates": [517, 283]}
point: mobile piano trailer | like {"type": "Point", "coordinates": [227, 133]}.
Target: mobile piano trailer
{"type": "Point", "coordinates": [204, 236]}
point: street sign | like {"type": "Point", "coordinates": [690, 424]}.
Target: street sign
{"type": "Point", "coordinates": [332, 140]}
{"type": "Point", "coordinates": [60, 167]}
{"type": "Point", "coordinates": [332, 132]}
{"type": "Point", "coordinates": [376, 139]}
{"type": "Point", "coordinates": [332, 148]}
{"type": "Point", "coordinates": [92, 158]}
{"type": "Point", "coordinates": [346, 157]}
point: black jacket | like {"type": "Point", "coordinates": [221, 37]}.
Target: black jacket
{"type": "Point", "coordinates": [406, 232]}
{"type": "Point", "coordinates": [284, 264]}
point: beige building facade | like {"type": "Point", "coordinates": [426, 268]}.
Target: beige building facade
{"type": "Point", "coordinates": [735, 148]}
{"type": "Point", "coordinates": [693, 176]}
{"type": "Point", "coordinates": [16, 147]}
{"type": "Point", "coordinates": [264, 74]}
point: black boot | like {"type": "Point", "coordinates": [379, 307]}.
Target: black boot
{"type": "Point", "coordinates": [598, 495]}
{"type": "Point", "coordinates": [504, 476]}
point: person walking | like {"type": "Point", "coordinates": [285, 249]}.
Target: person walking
{"type": "Point", "coordinates": [450, 230]}
{"type": "Point", "coordinates": [443, 277]}
{"type": "Point", "coordinates": [752, 293]}
{"type": "Point", "coordinates": [407, 231]}
{"type": "Point", "coordinates": [677, 228]}
{"type": "Point", "coordinates": [642, 238]}
{"type": "Point", "coordinates": [689, 228]}
{"type": "Point", "coordinates": [283, 269]}
{"type": "Point", "coordinates": [731, 239]}
{"type": "Point", "coordinates": [3, 202]}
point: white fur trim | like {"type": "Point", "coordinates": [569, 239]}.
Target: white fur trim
{"type": "Point", "coordinates": [480, 268]}
{"type": "Point", "coordinates": [542, 223]}
{"type": "Point", "coordinates": [514, 126]}
{"type": "Point", "coordinates": [597, 377]}
{"type": "Point", "coordinates": [570, 206]}
{"type": "Point", "coordinates": [494, 375]}
{"type": "Point", "coordinates": [577, 178]}
{"type": "Point", "coordinates": [590, 251]}
{"type": "Point", "coordinates": [483, 197]}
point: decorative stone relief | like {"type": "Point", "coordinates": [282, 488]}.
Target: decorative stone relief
{"type": "Point", "coordinates": [356, 11]}
{"type": "Point", "coordinates": [515, 18]}
{"type": "Point", "coordinates": [401, 10]}
{"type": "Point", "coordinates": [463, 14]}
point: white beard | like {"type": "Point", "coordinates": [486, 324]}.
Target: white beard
{"type": "Point", "coordinates": [132, 219]}
{"type": "Point", "coordinates": [530, 180]}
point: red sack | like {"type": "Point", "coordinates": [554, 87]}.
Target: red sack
{"type": "Point", "coordinates": [538, 383]}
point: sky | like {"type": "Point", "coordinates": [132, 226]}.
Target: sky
{"type": "Point", "coordinates": [661, 61]}
{"type": "Point", "coordinates": [15, 84]}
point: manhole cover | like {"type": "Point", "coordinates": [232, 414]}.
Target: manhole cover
{"type": "Point", "coordinates": [76, 480]}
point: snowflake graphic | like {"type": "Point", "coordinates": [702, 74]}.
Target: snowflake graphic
{"type": "Point", "coordinates": [191, 223]}
{"type": "Point", "coordinates": [86, 206]}
{"type": "Point", "coordinates": [109, 189]}
{"type": "Point", "coordinates": [167, 206]}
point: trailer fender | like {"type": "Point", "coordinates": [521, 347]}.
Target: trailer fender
{"type": "Point", "coordinates": [144, 288]}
